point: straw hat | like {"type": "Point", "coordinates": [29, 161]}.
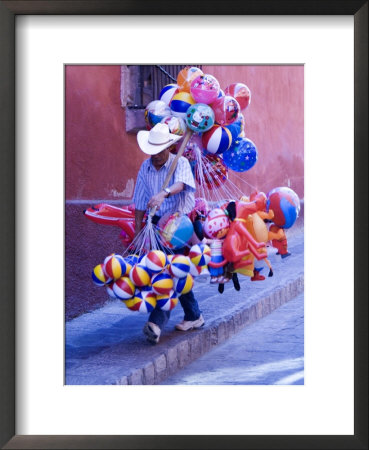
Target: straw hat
{"type": "Point", "coordinates": [157, 139]}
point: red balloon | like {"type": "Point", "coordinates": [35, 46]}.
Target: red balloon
{"type": "Point", "coordinates": [240, 92]}
{"type": "Point", "coordinates": [226, 110]}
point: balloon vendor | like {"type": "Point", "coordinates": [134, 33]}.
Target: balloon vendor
{"type": "Point", "coordinates": [179, 196]}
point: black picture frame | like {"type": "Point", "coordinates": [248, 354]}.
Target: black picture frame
{"type": "Point", "coordinates": [8, 11]}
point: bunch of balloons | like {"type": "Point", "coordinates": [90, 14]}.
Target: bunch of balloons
{"type": "Point", "coordinates": [152, 279]}
{"type": "Point", "coordinates": [240, 226]}
{"type": "Point", "coordinates": [198, 103]}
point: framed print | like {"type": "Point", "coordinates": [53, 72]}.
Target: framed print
{"type": "Point", "coordinates": [38, 40]}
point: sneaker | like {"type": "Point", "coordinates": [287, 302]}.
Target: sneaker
{"type": "Point", "coordinates": [152, 332]}
{"type": "Point", "coordinates": [186, 325]}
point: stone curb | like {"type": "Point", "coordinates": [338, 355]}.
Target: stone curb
{"type": "Point", "coordinates": [194, 345]}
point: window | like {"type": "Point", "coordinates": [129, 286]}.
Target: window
{"type": "Point", "coordinates": [140, 85]}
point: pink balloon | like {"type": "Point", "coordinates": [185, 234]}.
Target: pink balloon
{"type": "Point", "coordinates": [226, 110]}
{"type": "Point", "coordinates": [205, 89]}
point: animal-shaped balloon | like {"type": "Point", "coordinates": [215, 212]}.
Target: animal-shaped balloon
{"type": "Point", "coordinates": [241, 246]}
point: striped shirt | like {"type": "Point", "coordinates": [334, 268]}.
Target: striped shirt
{"type": "Point", "coordinates": [150, 182]}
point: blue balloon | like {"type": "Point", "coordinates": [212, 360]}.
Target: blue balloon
{"type": "Point", "coordinates": [235, 130]}
{"type": "Point", "coordinates": [241, 156]}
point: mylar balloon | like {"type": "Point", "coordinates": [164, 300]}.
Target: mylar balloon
{"type": "Point", "coordinates": [241, 156]}
{"type": "Point", "coordinates": [226, 110]}
{"type": "Point", "coordinates": [200, 117]}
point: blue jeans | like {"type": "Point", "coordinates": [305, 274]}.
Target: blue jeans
{"type": "Point", "coordinates": [188, 302]}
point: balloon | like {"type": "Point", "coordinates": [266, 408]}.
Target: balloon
{"type": "Point", "coordinates": [175, 124]}
{"type": "Point", "coordinates": [167, 93]}
{"type": "Point", "coordinates": [212, 171]}
{"type": "Point", "coordinates": [162, 283]}
{"type": "Point", "coordinates": [285, 204]}
{"type": "Point", "coordinates": [186, 76]}
{"type": "Point", "coordinates": [200, 255]}
{"type": "Point", "coordinates": [240, 242]}
{"type": "Point", "coordinates": [175, 230]}
{"type": "Point", "coordinates": [123, 288]}
{"type": "Point", "coordinates": [201, 208]}
{"type": "Point", "coordinates": [240, 92]}
{"type": "Point", "coordinates": [139, 275]}
{"type": "Point", "coordinates": [155, 111]}
{"type": "Point", "coordinates": [156, 260]}
{"type": "Point", "coordinates": [216, 224]}
{"type": "Point", "coordinates": [200, 117]}
{"type": "Point", "coordinates": [143, 302]}
{"type": "Point", "coordinates": [109, 289]}
{"type": "Point", "coordinates": [237, 128]}
{"type": "Point", "coordinates": [179, 266]}
{"type": "Point", "coordinates": [205, 89]}
{"type": "Point", "coordinates": [116, 266]}
{"type": "Point", "coordinates": [167, 302]}
{"type": "Point", "coordinates": [99, 277]}
{"type": "Point", "coordinates": [226, 110]}
{"type": "Point", "coordinates": [183, 285]}
{"type": "Point", "coordinates": [217, 139]}
{"type": "Point", "coordinates": [180, 104]}
{"type": "Point", "coordinates": [241, 156]}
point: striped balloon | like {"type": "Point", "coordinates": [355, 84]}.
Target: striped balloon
{"type": "Point", "coordinates": [123, 288]}
{"type": "Point", "coordinates": [167, 302]}
{"type": "Point", "coordinates": [139, 275]}
{"type": "Point", "coordinates": [143, 302]}
{"type": "Point", "coordinates": [132, 259]}
{"type": "Point", "coordinates": [156, 260]}
{"type": "Point", "coordinates": [217, 140]}
{"type": "Point", "coordinates": [116, 266]}
{"type": "Point", "coordinates": [180, 104]}
{"type": "Point", "coordinates": [168, 92]}
{"type": "Point", "coordinates": [195, 271]}
{"type": "Point", "coordinates": [162, 283]}
{"type": "Point", "coordinates": [200, 254]}
{"type": "Point", "coordinates": [183, 285]}
{"type": "Point", "coordinates": [179, 266]}
{"type": "Point", "coordinates": [99, 277]}
{"type": "Point", "coordinates": [109, 290]}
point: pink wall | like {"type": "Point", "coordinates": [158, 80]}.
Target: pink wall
{"type": "Point", "coordinates": [274, 122]}
{"type": "Point", "coordinates": [102, 160]}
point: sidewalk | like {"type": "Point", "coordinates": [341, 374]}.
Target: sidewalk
{"type": "Point", "coordinates": [107, 346]}
{"type": "Point", "coordinates": [268, 352]}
